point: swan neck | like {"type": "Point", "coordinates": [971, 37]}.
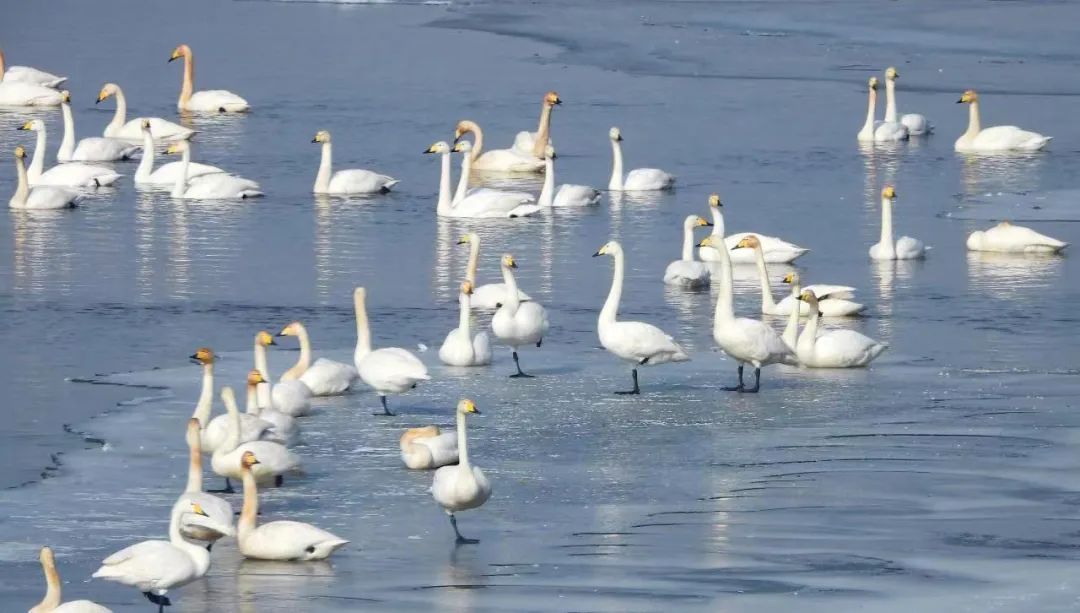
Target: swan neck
{"type": "Point", "coordinates": [363, 329]}
{"type": "Point", "coordinates": [974, 125]}
{"type": "Point", "coordinates": [725, 309]}
{"type": "Point", "coordinates": [478, 141]}
{"type": "Point", "coordinates": [53, 589]}
{"type": "Point", "coordinates": [246, 524]}
{"type": "Point", "coordinates": [67, 143]}
{"type": "Point", "coordinates": [463, 181]}
{"type": "Point", "coordinates": [443, 207]}
{"type": "Point", "coordinates": [146, 162]}
{"type": "Point", "coordinates": [791, 330]}
{"type": "Point", "coordinates": [251, 406]}
{"type": "Point", "coordinates": [188, 84]}
{"type": "Point", "coordinates": [886, 222]}
{"type": "Point", "coordinates": [265, 390]}
{"type": "Point", "coordinates": [120, 115]}
{"type": "Point", "coordinates": [305, 349]}
{"type": "Point", "coordinates": [182, 177]}
{"type": "Point", "coordinates": [206, 396]}
{"type": "Point", "coordinates": [890, 101]}
{"type": "Point", "coordinates": [194, 476]}
{"type": "Point", "coordinates": [462, 443]}
{"type": "Point", "coordinates": [688, 241]}
{"type": "Point", "coordinates": [767, 300]}
{"type": "Point", "coordinates": [542, 132]}
{"type": "Point", "coordinates": [809, 334]}
{"type": "Point", "coordinates": [611, 305]}
{"type": "Point", "coordinates": [465, 316]}
{"type": "Point", "coordinates": [474, 260]}
{"type": "Point", "coordinates": [322, 180]}
{"type": "Point", "coordinates": [232, 441]}
{"type": "Point", "coordinates": [616, 181]}
{"type": "Point", "coordinates": [547, 192]}
{"type": "Point", "coordinates": [512, 301]}
{"type": "Point", "coordinates": [37, 162]}
{"type": "Point", "coordinates": [22, 190]}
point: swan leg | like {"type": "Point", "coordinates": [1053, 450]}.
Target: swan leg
{"type": "Point", "coordinates": [386, 409]}
{"type": "Point", "coordinates": [636, 390]}
{"type": "Point", "coordinates": [228, 489]}
{"type": "Point", "coordinates": [279, 480]}
{"type": "Point", "coordinates": [757, 382]}
{"type": "Point", "coordinates": [461, 540]}
{"type": "Point", "coordinates": [519, 373]}
{"type": "Point", "coordinates": [740, 387]}
{"type": "Point", "coordinates": [160, 601]}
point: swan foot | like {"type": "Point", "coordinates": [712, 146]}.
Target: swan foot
{"type": "Point", "coordinates": [160, 601]}
{"type": "Point", "coordinates": [386, 410]}
{"type": "Point", "coordinates": [520, 373]}
{"type": "Point", "coordinates": [634, 392]}
{"type": "Point", "coordinates": [228, 489]}
{"type": "Point", "coordinates": [757, 382]}
{"type": "Point", "coordinates": [741, 386]}
{"type": "Point", "coordinates": [279, 480]}
{"type": "Point", "coordinates": [461, 540]}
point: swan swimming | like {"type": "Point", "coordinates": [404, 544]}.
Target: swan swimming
{"type": "Point", "coordinates": [904, 248]}
{"type": "Point", "coordinates": [916, 124]}
{"type": "Point", "coordinates": [688, 272]}
{"type": "Point", "coordinates": [996, 139]}
{"type": "Point", "coordinates": [776, 250]}
{"type": "Point", "coordinates": [879, 131]}
{"type": "Point", "coordinates": [486, 202]}
{"type": "Point", "coordinates": [496, 160]}
{"type": "Point", "coordinates": [462, 346]}
{"type": "Point", "coordinates": [639, 179]}
{"type": "Point", "coordinates": [489, 295]}
{"type": "Point", "coordinates": [54, 594]}
{"type": "Point", "coordinates": [208, 186]}
{"type": "Point", "coordinates": [169, 173]}
{"type": "Point", "coordinates": [837, 305]}
{"type": "Point", "coordinates": [40, 198]}
{"type": "Point", "coordinates": [24, 86]}
{"type": "Point", "coordinates": [387, 370]}
{"type": "Point", "coordinates": [568, 195]}
{"type": "Point", "coordinates": [120, 127]}
{"type": "Point", "coordinates": [72, 174]}
{"type": "Point", "coordinates": [518, 323]}
{"type": "Point", "coordinates": [427, 447]}
{"type": "Point", "coordinates": [207, 101]}
{"type": "Point", "coordinates": [463, 486]}
{"type": "Point", "coordinates": [534, 143]}
{"type": "Point", "coordinates": [28, 75]}
{"type": "Point", "coordinates": [1008, 238]}
{"type": "Point", "coordinates": [92, 149]}
{"type": "Point", "coordinates": [351, 181]}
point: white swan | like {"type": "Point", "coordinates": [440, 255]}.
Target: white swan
{"type": "Point", "coordinates": [835, 348]}
{"type": "Point", "coordinates": [207, 101]}
{"type": "Point", "coordinates": [210, 186]}
{"type": "Point", "coordinates": [834, 301]}
{"type": "Point", "coordinates": [688, 272]}
{"type": "Point", "coordinates": [217, 430]}
{"type": "Point", "coordinates": [747, 341]}
{"type": "Point", "coordinates": [916, 124]}
{"type": "Point", "coordinates": [155, 567]}
{"type": "Point", "coordinates": [776, 250]}
{"type": "Point", "coordinates": [639, 179]}
{"type": "Point", "coordinates": [72, 174]}
{"type": "Point", "coordinates": [996, 139]}
{"type": "Point", "coordinates": [163, 129]}
{"type": "Point", "coordinates": [534, 143]}
{"type": "Point", "coordinates": [92, 149]}
{"type": "Point", "coordinates": [463, 347]}
{"type": "Point", "coordinates": [54, 594]}
{"type": "Point", "coordinates": [1007, 238]}
{"type": "Point", "coordinates": [387, 370]}
{"type": "Point", "coordinates": [292, 398]}
{"type": "Point", "coordinates": [518, 323]}
{"type": "Point", "coordinates": [325, 377]}
{"type": "Point", "coordinates": [275, 460]}
{"type": "Point", "coordinates": [464, 486]}
{"type": "Point", "coordinates": [23, 86]}
{"type": "Point", "coordinates": [904, 248]}
{"type": "Point", "coordinates": [167, 174]}
{"type": "Point", "coordinates": [484, 202]}
{"type": "Point", "coordinates": [39, 198]}
{"type": "Point", "coordinates": [637, 342]}
{"type": "Point", "coordinates": [283, 428]}
{"type": "Point", "coordinates": [879, 131]}
{"type": "Point", "coordinates": [427, 448]}
{"type": "Point", "coordinates": [497, 160]}
{"type": "Point", "coordinates": [352, 181]}
{"type": "Point", "coordinates": [567, 195]}
{"type": "Point", "coordinates": [277, 540]}
{"type": "Point", "coordinates": [26, 74]}
{"type": "Point", "coordinates": [216, 508]}
{"type": "Point", "coordinates": [837, 305]}
{"type": "Point", "coordinates": [489, 295]}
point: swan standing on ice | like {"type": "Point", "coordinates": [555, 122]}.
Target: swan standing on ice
{"type": "Point", "coordinates": [916, 124]}
{"type": "Point", "coordinates": [837, 305]}
{"type": "Point", "coordinates": [324, 377]}
{"type": "Point", "coordinates": [427, 448]}
{"type": "Point", "coordinates": [904, 248]}
{"type": "Point", "coordinates": [462, 346]}
{"type": "Point", "coordinates": [216, 508]}
{"type": "Point", "coordinates": [835, 348]}
{"type": "Point", "coordinates": [388, 370]}
{"type": "Point", "coordinates": [496, 160]}
{"type": "Point", "coordinates": [169, 173]}
{"type": "Point", "coordinates": [535, 143]}
{"type": "Point", "coordinates": [119, 127]}
{"type": "Point", "coordinates": [688, 272]}
{"type": "Point", "coordinates": [215, 431]}
{"type": "Point", "coordinates": [639, 179]}
{"type": "Point", "coordinates": [283, 428]}
{"type": "Point", "coordinates": [207, 101]}
{"type": "Point", "coordinates": [276, 459]}
{"type": "Point", "coordinates": [92, 149]}
{"type": "Point", "coordinates": [40, 198]}
{"type": "Point", "coordinates": [489, 295]}
{"type": "Point", "coordinates": [464, 486]}
{"type": "Point", "coordinates": [351, 181]}
{"type": "Point", "coordinates": [567, 195]}
{"type": "Point", "coordinates": [776, 250]}
{"type": "Point", "coordinates": [637, 342]}
{"type": "Point", "coordinates": [208, 186]}
{"type": "Point", "coordinates": [292, 398]}
{"type": "Point", "coordinates": [26, 74]}
{"type": "Point", "coordinates": [879, 131]}
{"type": "Point", "coordinates": [1007, 238]}
{"type": "Point", "coordinates": [997, 139]}
{"type": "Point", "coordinates": [72, 174]}
{"type": "Point", "coordinates": [518, 323]}
{"type": "Point", "coordinates": [54, 594]}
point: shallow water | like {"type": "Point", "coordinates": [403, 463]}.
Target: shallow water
{"type": "Point", "coordinates": [943, 478]}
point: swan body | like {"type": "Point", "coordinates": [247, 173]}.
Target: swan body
{"type": "Point", "coordinates": [775, 250]}
{"type": "Point", "coordinates": [207, 101]}
{"type": "Point", "coordinates": [73, 174]}
{"type": "Point", "coordinates": [688, 272]}
{"type": "Point", "coordinates": [914, 124]}
{"type": "Point", "coordinates": [168, 174]}
{"type": "Point", "coordinates": [28, 75]}
{"type": "Point", "coordinates": [53, 591]}
{"type": "Point", "coordinates": [997, 139]}
{"type": "Point", "coordinates": [497, 160]}
{"type": "Point", "coordinates": [427, 448]}
{"type": "Point", "coordinates": [275, 459]}
{"type": "Point", "coordinates": [291, 398]}
{"type": "Point", "coordinates": [836, 348]}
{"type": "Point", "coordinates": [489, 296]}
{"type": "Point", "coordinates": [838, 304]}
{"type": "Point", "coordinates": [324, 377]}
{"type": "Point", "coordinates": [353, 181]}
{"type": "Point", "coordinates": [904, 248]}
{"type": "Point", "coordinates": [567, 195]}
{"type": "Point", "coordinates": [216, 508]}
{"type": "Point", "coordinates": [484, 202]}
{"type": "Point", "coordinates": [534, 143]}
{"type": "Point", "coordinates": [639, 179]}
{"type": "Point", "coordinates": [462, 346]}
{"type": "Point", "coordinates": [93, 149]}
{"type": "Point", "coordinates": [283, 428]}
{"type": "Point", "coordinates": [464, 486]}
{"type": "Point", "coordinates": [38, 198]}
{"type": "Point", "coordinates": [211, 185]}
{"type": "Point", "coordinates": [132, 130]}
{"type": "Point", "coordinates": [388, 370]}
{"type": "Point", "coordinates": [1007, 238]}
{"type": "Point", "coordinates": [518, 323]}
{"type": "Point", "coordinates": [14, 93]}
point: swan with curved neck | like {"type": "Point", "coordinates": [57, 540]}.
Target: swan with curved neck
{"type": "Point", "coordinates": [73, 174]}
{"type": "Point", "coordinates": [428, 447]}
{"type": "Point", "coordinates": [904, 248]}
{"type": "Point", "coordinates": [324, 377]}
{"type": "Point", "coordinates": [996, 139]}
{"type": "Point", "coordinates": [292, 398]}
{"type": "Point", "coordinates": [92, 149]}
{"type": "Point", "coordinates": [639, 179]}
{"type": "Point", "coordinates": [208, 101]}
{"type": "Point", "coordinates": [53, 586]}
{"type": "Point", "coordinates": [917, 125]}
{"type": "Point", "coordinates": [568, 195]}
{"type": "Point", "coordinates": [216, 508]}
{"type": "Point", "coordinates": [518, 323]}
{"type": "Point", "coordinates": [387, 370]}
{"type": "Point", "coordinates": [351, 181]}
{"type": "Point", "coordinates": [837, 306]}
{"type": "Point", "coordinates": [120, 127]}
{"type": "Point", "coordinates": [39, 198]}
{"type": "Point", "coordinates": [686, 271]}
{"type": "Point", "coordinates": [462, 346]}
{"type": "Point", "coordinates": [464, 486]}
{"type": "Point", "coordinates": [835, 348]}
{"type": "Point", "coordinates": [490, 295]}
{"type": "Point", "coordinates": [496, 160]}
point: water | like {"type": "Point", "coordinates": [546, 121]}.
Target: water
{"type": "Point", "coordinates": [943, 478]}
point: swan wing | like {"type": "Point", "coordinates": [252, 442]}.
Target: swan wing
{"type": "Point", "coordinates": [1009, 138]}
{"type": "Point", "coordinates": [290, 540]}
{"type": "Point", "coordinates": [221, 186]}
{"type": "Point", "coordinates": [1009, 238]}
{"type": "Point", "coordinates": [328, 377]}
{"type": "Point", "coordinates": [648, 179]}
{"type": "Point", "coordinates": [81, 606]}
{"type": "Point", "coordinates": [490, 295]}
{"type": "Point", "coordinates": [149, 566]}
{"type": "Point", "coordinates": [443, 448]}
{"type": "Point", "coordinates": [840, 307]}
{"type": "Point", "coordinates": [824, 290]}
{"type": "Point", "coordinates": [760, 343]}
{"type": "Point", "coordinates": [481, 348]}
{"type": "Point", "coordinates": [507, 160]}
{"type": "Point", "coordinates": [166, 174]}
{"type": "Point", "coordinates": [101, 149]}
{"type": "Point", "coordinates": [490, 203]}
{"type": "Point", "coordinates": [32, 76]}
{"type": "Point", "coordinates": [217, 101]}
{"type": "Point", "coordinates": [360, 181]}
{"type": "Point", "coordinates": [77, 174]}
{"type": "Point", "coordinates": [890, 131]}
{"type": "Point", "coordinates": [46, 197]}
{"type": "Point", "coordinates": [291, 398]}
{"type": "Point", "coordinates": [846, 348]}
{"type": "Point", "coordinates": [27, 94]}
{"type": "Point", "coordinates": [524, 142]}
{"type": "Point", "coordinates": [570, 195]}
{"type": "Point", "coordinates": [908, 248]}
{"type": "Point", "coordinates": [641, 342]}
{"type": "Point", "coordinates": [392, 369]}
{"type": "Point", "coordinates": [161, 129]}
{"type": "Point", "coordinates": [687, 273]}
{"type": "Point", "coordinates": [916, 124]}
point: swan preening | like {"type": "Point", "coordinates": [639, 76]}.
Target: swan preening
{"type": "Point", "coordinates": [343, 182]}
{"type": "Point", "coordinates": [325, 377]}
{"type": "Point", "coordinates": [637, 342]}
{"type": "Point", "coordinates": [688, 272]}
{"type": "Point", "coordinates": [132, 130]}
{"type": "Point", "coordinates": [904, 248]}
{"type": "Point", "coordinates": [428, 447]}
{"type": "Point", "coordinates": [1008, 238]}
{"type": "Point", "coordinates": [639, 179]}
{"type": "Point", "coordinates": [40, 198]}
{"type": "Point", "coordinates": [835, 348]}
{"type": "Point", "coordinates": [916, 124]}
{"type": "Point", "coordinates": [26, 74]}
{"type": "Point", "coordinates": [879, 131]}
{"type": "Point", "coordinates": [464, 486]}
{"type": "Point", "coordinates": [463, 346]}
{"type": "Point", "coordinates": [518, 323]}
{"type": "Point", "coordinates": [168, 174]}
{"type": "Point", "coordinates": [497, 160]}
{"type": "Point", "coordinates": [489, 295]}
{"type": "Point", "coordinates": [92, 149]}
{"type": "Point", "coordinates": [387, 370]}
{"type": "Point", "coordinates": [535, 143]}
{"type": "Point", "coordinates": [567, 195]}
{"type": "Point", "coordinates": [837, 304]}
{"type": "Point", "coordinates": [25, 86]}
{"type": "Point", "coordinates": [217, 509]}
{"type": "Point", "coordinates": [207, 101]}
{"type": "Point", "coordinates": [72, 174]}
{"type": "Point", "coordinates": [209, 185]}
{"type": "Point", "coordinates": [54, 591]}
{"type": "Point", "coordinates": [775, 250]}
{"type": "Point", "coordinates": [997, 139]}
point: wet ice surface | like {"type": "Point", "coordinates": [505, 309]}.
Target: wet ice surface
{"type": "Point", "coordinates": [943, 478]}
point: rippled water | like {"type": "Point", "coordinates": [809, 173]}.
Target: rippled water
{"type": "Point", "coordinates": [943, 478]}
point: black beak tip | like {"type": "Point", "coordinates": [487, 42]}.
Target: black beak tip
{"type": "Point", "coordinates": [959, 101]}
{"type": "Point", "coordinates": [597, 254]}
{"type": "Point", "coordinates": [314, 140]}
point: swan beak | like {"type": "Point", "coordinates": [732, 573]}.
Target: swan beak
{"type": "Point", "coordinates": [315, 140]}
{"type": "Point", "coordinates": [960, 101]}
{"type": "Point", "coordinates": [558, 101]}
{"type": "Point", "coordinates": [172, 57]}
{"type": "Point", "coordinates": [428, 150]}
{"type": "Point", "coordinates": [619, 138]}
{"type": "Point", "coordinates": [476, 411]}
{"type": "Point", "coordinates": [597, 254]}
{"type": "Point", "coordinates": [100, 99]}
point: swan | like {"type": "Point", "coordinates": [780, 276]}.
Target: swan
{"type": "Point", "coordinates": [905, 248]}
{"type": "Point", "coordinates": [835, 348]}
{"type": "Point", "coordinates": [155, 567]}
{"type": "Point", "coordinates": [747, 341]}
{"type": "Point", "coordinates": [462, 347]}
{"type": "Point", "coordinates": [490, 295]}
{"type": "Point", "coordinates": [534, 143]}
{"type": "Point", "coordinates": [776, 250]}
{"type": "Point", "coordinates": [210, 186]}
{"type": "Point", "coordinates": [834, 301]}
{"type": "Point", "coordinates": [836, 305]}
{"type": "Point", "coordinates": [324, 377]}
{"type": "Point", "coordinates": [352, 181]}
{"type": "Point", "coordinates": [283, 428]}
{"type": "Point", "coordinates": [93, 149]}
{"type": "Point", "coordinates": [388, 370]}
{"type": "Point", "coordinates": [167, 174]}
{"type": "Point", "coordinates": [568, 195]}
{"type": "Point", "coordinates": [277, 540]}
{"type": "Point", "coordinates": [917, 125]}
{"type": "Point", "coordinates": [276, 460]}
{"type": "Point", "coordinates": [1007, 238]}
{"type": "Point", "coordinates": [119, 127]}
{"type": "Point", "coordinates": [996, 139]}
{"type": "Point", "coordinates": [215, 431]}
{"type": "Point", "coordinates": [207, 101]}
{"type": "Point", "coordinates": [464, 486]}
{"type": "Point", "coordinates": [497, 160]}
{"type": "Point", "coordinates": [791, 330]}
{"type": "Point", "coordinates": [879, 131]}
{"type": "Point", "coordinates": [518, 323]}
{"type": "Point", "coordinates": [688, 272]}
{"type": "Point", "coordinates": [639, 179]}
{"type": "Point", "coordinates": [53, 591]}
{"type": "Point", "coordinates": [73, 174]}
{"type": "Point", "coordinates": [39, 198]}
{"type": "Point", "coordinates": [637, 342]}
{"type": "Point", "coordinates": [26, 74]}
{"type": "Point", "coordinates": [427, 448]}
{"type": "Point", "coordinates": [485, 202]}
{"type": "Point", "coordinates": [217, 509]}
{"type": "Point", "coordinates": [292, 398]}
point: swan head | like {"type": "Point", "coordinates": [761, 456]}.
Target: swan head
{"type": "Point", "coordinates": [464, 126]}
{"type": "Point", "coordinates": [552, 98]}
{"type": "Point", "coordinates": [248, 460]}
{"type": "Point", "coordinates": [471, 237]}
{"type": "Point", "coordinates": [697, 221]}
{"type": "Point", "coordinates": [65, 97]}
{"type": "Point", "coordinates": [46, 557]}
{"type": "Point", "coordinates": [203, 355]}
{"type": "Point", "coordinates": [615, 135]}
{"type": "Point", "coordinates": [708, 241]}
{"type": "Point", "coordinates": [968, 97]}
{"type": "Point", "coordinates": [466, 406]}
{"type": "Point", "coordinates": [749, 242]}
{"type": "Point", "coordinates": [255, 377]}
{"type": "Point", "coordinates": [177, 147]}
{"type": "Point", "coordinates": [467, 288]}
{"type": "Point", "coordinates": [714, 201]}
{"type": "Point", "coordinates": [35, 125]}
{"type": "Point", "coordinates": [322, 136]}
{"type": "Point", "coordinates": [439, 147]}
{"type": "Point", "coordinates": [808, 297]}
{"type": "Point", "coordinates": [508, 261]}
{"type": "Point", "coordinates": [462, 146]}
{"type": "Point", "coordinates": [609, 248]}
{"type": "Point", "coordinates": [145, 125]}
{"type": "Point", "coordinates": [293, 329]}
{"type": "Point", "coordinates": [891, 74]}
{"type": "Point", "coordinates": [179, 52]}
{"type": "Point", "coordinates": [20, 153]}
{"type": "Point", "coordinates": [791, 278]}
{"type": "Point", "coordinates": [109, 89]}
{"type": "Point", "coordinates": [549, 152]}
{"type": "Point", "coordinates": [888, 192]}
{"type": "Point", "coordinates": [872, 83]}
{"type": "Point", "coordinates": [265, 339]}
